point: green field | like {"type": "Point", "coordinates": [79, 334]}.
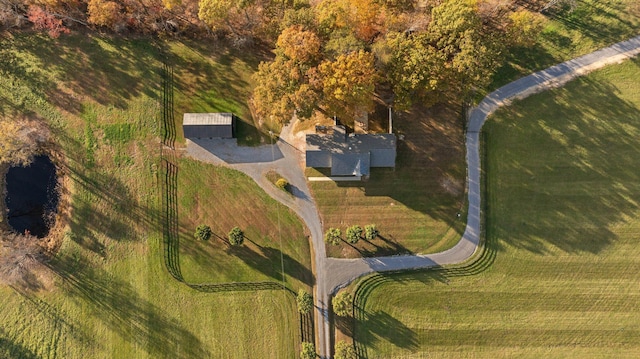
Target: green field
{"type": "Point", "coordinates": [107, 293]}
{"type": "Point", "coordinates": [559, 276]}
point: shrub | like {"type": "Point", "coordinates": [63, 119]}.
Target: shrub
{"type": "Point", "coordinates": [370, 231]}
{"type": "Point", "coordinates": [305, 301]}
{"type": "Point", "coordinates": [282, 184]}
{"type": "Point", "coordinates": [344, 350]}
{"type": "Point", "coordinates": [236, 236]}
{"type": "Point", "coordinates": [333, 236]}
{"type": "Point", "coordinates": [353, 234]}
{"type": "Point", "coordinates": [342, 304]}
{"type": "Point", "coordinates": [203, 232]}
{"type": "Point", "coordinates": [308, 351]}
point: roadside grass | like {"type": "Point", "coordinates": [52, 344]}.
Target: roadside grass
{"type": "Point", "coordinates": [415, 206]}
{"type": "Point", "coordinates": [107, 293]}
{"type": "Point", "coordinates": [562, 225]}
{"type": "Point", "coordinates": [593, 24]}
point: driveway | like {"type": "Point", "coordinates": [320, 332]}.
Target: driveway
{"type": "Point", "coordinates": [333, 273]}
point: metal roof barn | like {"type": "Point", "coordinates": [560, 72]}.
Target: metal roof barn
{"type": "Point", "coordinates": [208, 125]}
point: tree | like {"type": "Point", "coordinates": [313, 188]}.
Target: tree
{"type": "Point", "coordinates": [203, 232]}
{"type": "Point", "coordinates": [348, 83]}
{"type": "Point", "coordinates": [213, 12]}
{"type": "Point", "coordinates": [344, 350]}
{"type": "Point", "coordinates": [370, 232]}
{"type": "Point", "coordinates": [342, 304]}
{"type": "Point", "coordinates": [305, 301]}
{"type": "Point", "coordinates": [353, 234]}
{"type": "Point", "coordinates": [43, 20]}
{"type": "Point", "coordinates": [282, 85]}
{"type": "Point", "coordinates": [332, 236]}
{"type": "Point", "coordinates": [103, 13]}
{"type": "Point", "coordinates": [470, 53]}
{"type": "Point", "coordinates": [414, 68]}
{"type": "Point", "coordinates": [298, 45]}
{"type": "Point", "coordinates": [524, 28]}
{"type": "Point", "coordinates": [236, 236]}
{"type": "Point", "coordinates": [308, 351]}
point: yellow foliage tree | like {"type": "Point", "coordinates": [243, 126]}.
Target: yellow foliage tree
{"type": "Point", "coordinates": [348, 83]}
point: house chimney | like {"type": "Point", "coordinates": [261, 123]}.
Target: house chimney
{"type": "Point", "coordinates": [390, 121]}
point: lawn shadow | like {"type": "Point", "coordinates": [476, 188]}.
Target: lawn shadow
{"type": "Point", "coordinates": [267, 260]}
{"type": "Point", "coordinates": [12, 348]}
{"type": "Point", "coordinates": [576, 182]}
{"type": "Point", "coordinates": [121, 308]}
{"type": "Point", "coordinates": [105, 69]}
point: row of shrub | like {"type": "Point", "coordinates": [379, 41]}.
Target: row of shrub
{"type": "Point", "coordinates": [353, 234]}
{"type": "Point", "coordinates": [235, 236]}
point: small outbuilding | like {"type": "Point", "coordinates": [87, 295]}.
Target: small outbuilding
{"type": "Point", "coordinates": [209, 125]}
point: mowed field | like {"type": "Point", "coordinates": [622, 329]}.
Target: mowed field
{"type": "Point", "coordinates": [107, 292]}
{"type": "Point", "coordinates": [414, 206]}
{"type": "Point", "coordinates": [559, 276]}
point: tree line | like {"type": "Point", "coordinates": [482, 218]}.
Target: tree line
{"type": "Point", "coordinates": [329, 55]}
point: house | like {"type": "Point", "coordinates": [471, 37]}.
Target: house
{"type": "Point", "coordinates": [209, 125]}
{"type": "Point", "coordinates": [350, 154]}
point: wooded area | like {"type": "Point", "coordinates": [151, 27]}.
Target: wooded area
{"type": "Point", "coordinates": [332, 55]}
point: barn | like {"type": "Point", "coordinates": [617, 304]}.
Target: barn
{"type": "Point", "coordinates": [209, 125]}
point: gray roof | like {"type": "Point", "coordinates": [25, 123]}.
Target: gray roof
{"type": "Point", "coordinates": [350, 164]}
{"type": "Point", "coordinates": [380, 151]}
{"type": "Point", "coordinates": [222, 118]}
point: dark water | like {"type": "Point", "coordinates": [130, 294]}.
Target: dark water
{"type": "Point", "coordinates": [32, 198]}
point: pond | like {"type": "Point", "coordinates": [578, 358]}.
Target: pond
{"type": "Point", "coordinates": [32, 197]}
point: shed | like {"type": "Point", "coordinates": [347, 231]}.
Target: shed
{"type": "Point", "coordinates": [209, 125]}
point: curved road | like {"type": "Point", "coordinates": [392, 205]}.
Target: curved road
{"type": "Point", "coordinates": [333, 273]}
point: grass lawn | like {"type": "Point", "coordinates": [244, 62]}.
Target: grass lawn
{"type": "Point", "coordinates": [224, 198]}
{"type": "Point", "coordinates": [593, 24]}
{"type": "Point", "coordinates": [562, 260]}
{"type": "Point", "coordinates": [415, 205]}
{"type": "Point", "coordinates": [107, 293]}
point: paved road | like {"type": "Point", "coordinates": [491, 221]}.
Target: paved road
{"type": "Point", "coordinates": [332, 273]}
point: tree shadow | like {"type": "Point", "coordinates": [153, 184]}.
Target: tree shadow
{"type": "Point", "coordinates": [380, 324]}
{"type": "Point", "coordinates": [107, 70]}
{"type": "Point", "coordinates": [11, 348]}
{"type": "Point", "coordinates": [576, 182]}
{"type": "Point", "coordinates": [267, 260]}
{"type": "Point", "coordinates": [121, 308]}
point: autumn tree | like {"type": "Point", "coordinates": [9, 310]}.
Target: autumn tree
{"type": "Point", "coordinates": [46, 21]}
{"type": "Point", "coordinates": [524, 28]}
{"type": "Point", "coordinates": [365, 18]}
{"type": "Point", "coordinates": [348, 84]}
{"type": "Point", "coordinates": [283, 84]}
{"type": "Point", "coordinates": [103, 13]}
